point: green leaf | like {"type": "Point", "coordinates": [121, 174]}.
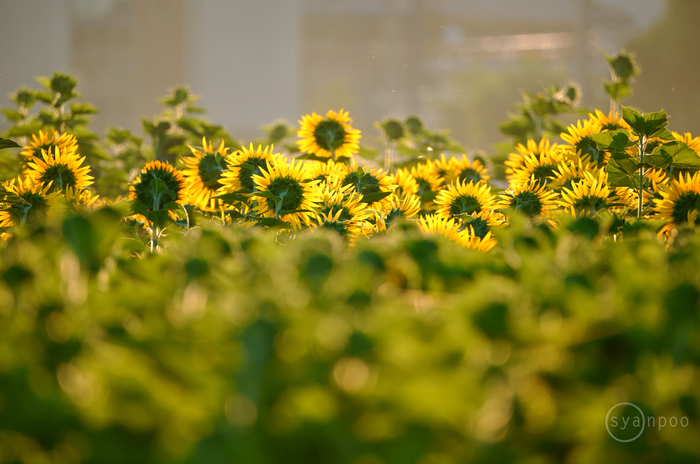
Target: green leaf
{"type": "Point", "coordinates": [12, 115]}
{"type": "Point", "coordinates": [7, 143]}
{"type": "Point", "coordinates": [648, 125]}
{"type": "Point", "coordinates": [619, 177]}
{"type": "Point", "coordinates": [83, 108]}
{"type": "Point", "coordinates": [617, 140]}
{"type": "Point", "coordinates": [634, 118]}
{"type": "Point", "coordinates": [231, 198]}
{"type": "Point", "coordinates": [618, 90]}
{"type": "Point", "coordinates": [374, 196]}
{"type": "Point", "coordinates": [622, 65]}
{"type": "Point", "coordinates": [682, 155]}
{"type": "Point", "coordinates": [159, 217]}
{"type": "Point", "coordinates": [267, 194]}
{"type": "Point", "coordinates": [655, 123]}
{"type": "Point", "coordinates": [273, 223]}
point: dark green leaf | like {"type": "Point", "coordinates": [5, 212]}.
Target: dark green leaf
{"type": "Point", "coordinates": [374, 196]}
{"type": "Point", "coordinates": [7, 143]}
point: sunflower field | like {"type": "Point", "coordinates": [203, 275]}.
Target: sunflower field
{"type": "Point", "coordinates": [182, 297]}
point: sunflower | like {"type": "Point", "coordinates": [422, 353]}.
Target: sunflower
{"type": "Point", "coordinates": [61, 168]}
{"type": "Point", "coordinates": [49, 141]}
{"type": "Point", "coordinates": [577, 132]}
{"type": "Point", "coordinates": [532, 198]}
{"type": "Point", "coordinates": [429, 182]}
{"type": "Point", "coordinates": [464, 198]}
{"type": "Point", "coordinates": [588, 196]}
{"type": "Point", "coordinates": [483, 222]}
{"type": "Point", "coordinates": [569, 172]}
{"type": "Point", "coordinates": [405, 182]}
{"type": "Point", "coordinates": [286, 192]}
{"type": "Point", "coordinates": [325, 172]}
{"type": "Point", "coordinates": [609, 122]}
{"type": "Point", "coordinates": [470, 239]}
{"type": "Point", "coordinates": [679, 203]}
{"type": "Point", "coordinates": [368, 182]}
{"type": "Point", "coordinates": [467, 171]}
{"type": "Point", "coordinates": [341, 210]}
{"type": "Point", "coordinates": [540, 166]}
{"type": "Point", "coordinates": [329, 137]}
{"type": "Point", "coordinates": [445, 168]}
{"type": "Point", "coordinates": [396, 207]}
{"type": "Point", "coordinates": [148, 191]}
{"type": "Point", "coordinates": [516, 160]}
{"type": "Point", "coordinates": [433, 224]}
{"type": "Point", "coordinates": [203, 174]}
{"type": "Point", "coordinates": [243, 165]}
{"type": "Point", "coordinates": [26, 202]}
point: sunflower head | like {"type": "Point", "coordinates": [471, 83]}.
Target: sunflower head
{"type": "Point", "coordinates": [60, 168]}
{"type": "Point", "coordinates": [680, 203]}
{"type": "Point", "coordinates": [203, 173]}
{"type": "Point", "coordinates": [588, 196]}
{"type": "Point", "coordinates": [406, 184]}
{"type": "Point", "coordinates": [428, 178]}
{"type": "Point", "coordinates": [467, 171]}
{"type": "Point", "coordinates": [469, 238]}
{"type": "Point", "coordinates": [532, 198]}
{"type": "Point", "coordinates": [326, 172]}
{"type": "Point", "coordinates": [540, 166]}
{"type": "Point", "coordinates": [395, 208]}
{"type": "Point", "coordinates": [329, 137]}
{"type": "Point", "coordinates": [433, 224]}
{"type": "Point", "coordinates": [370, 183]}
{"type": "Point", "coordinates": [516, 160]}
{"type": "Point", "coordinates": [464, 198]}
{"type": "Point", "coordinates": [26, 202]}
{"type": "Point", "coordinates": [244, 165]}
{"type": "Point", "coordinates": [609, 122]}
{"type": "Point", "coordinates": [158, 184]}
{"type": "Point", "coordinates": [286, 192]}
{"type": "Point", "coordinates": [50, 142]}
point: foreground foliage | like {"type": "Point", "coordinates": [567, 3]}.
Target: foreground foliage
{"type": "Point", "coordinates": [404, 349]}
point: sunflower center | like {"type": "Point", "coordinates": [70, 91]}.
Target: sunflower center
{"type": "Point", "coordinates": [590, 203]}
{"type": "Point", "coordinates": [464, 204]}
{"type": "Point", "coordinates": [336, 226]}
{"type": "Point", "coordinates": [146, 189]}
{"type": "Point", "coordinates": [289, 190]}
{"type": "Point", "coordinates": [61, 175]}
{"type": "Point", "coordinates": [470, 175]}
{"type": "Point", "coordinates": [527, 202]}
{"type": "Point", "coordinates": [210, 168]}
{"type": "Point", "coordinates": [481, 227]}
{"type": "Point", "coordinates": [329, 134]}
{"type": "Point", "coordinates": [364, 184]}
{"type": "Point", "coordinates": [544, 172]}
{"type": "Point", "coordinates": [685, 203]}
{"type": "Point", "coordinates": [252, 166]}
{"type": "Point", "coordinates": [37, 206]}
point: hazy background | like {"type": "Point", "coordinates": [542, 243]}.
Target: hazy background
{"type": "Point", "coordinates": [460, 64]}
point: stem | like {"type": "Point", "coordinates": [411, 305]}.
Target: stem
{"type": "Point", "coordinates": [538, 128]}
{"type": "Point", "coordinates": [154, 227]}
{"type": "Point", "coordinates": [642, 149]}
{"type": "Point", "coordinates": [389, 156]}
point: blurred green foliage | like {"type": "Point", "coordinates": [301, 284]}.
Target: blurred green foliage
{"type": "Point", "coordinates": [230, 347]}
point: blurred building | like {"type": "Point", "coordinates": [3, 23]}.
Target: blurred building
{"type": "Point", "coordinates": [458, 63]}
